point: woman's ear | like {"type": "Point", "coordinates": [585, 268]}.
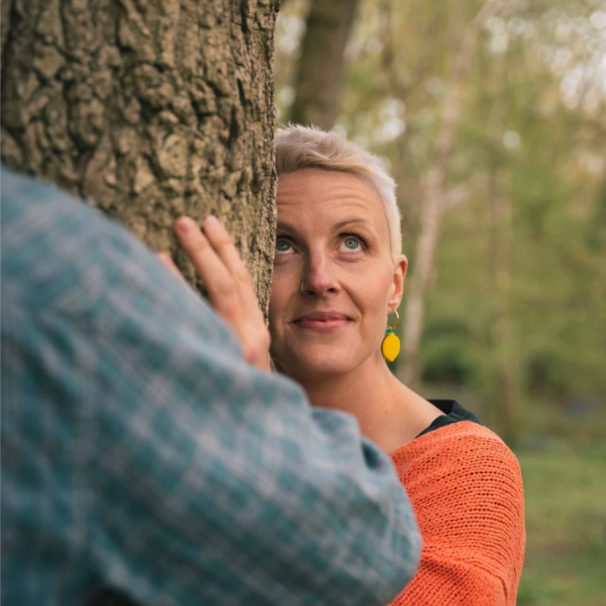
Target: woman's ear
{"type": "Point", "coordinates": [396, 289]}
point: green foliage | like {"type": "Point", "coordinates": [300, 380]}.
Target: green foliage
{"type": "Point", "coordinates": [443, 362]}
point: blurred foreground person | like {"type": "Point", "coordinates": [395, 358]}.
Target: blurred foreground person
{"type": "Point", "coordinates": [338, 274]}
{"type": "Point", "coordinates": [145, 462]}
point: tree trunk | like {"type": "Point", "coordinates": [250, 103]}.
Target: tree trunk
{"type": "Point", "coordinates": [148, 109]}
{"type": "Point", "coordinates": [435, 190]}
{"type": "Point", "coordinates": [320, 68]}
{"type": "Point", "coordinates": [504, 369]}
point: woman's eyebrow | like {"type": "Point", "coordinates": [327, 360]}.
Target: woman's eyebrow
{"type": "Point", "coordinates": [285, 226]}
{"type": "Point", "coordinates": [343, 224]}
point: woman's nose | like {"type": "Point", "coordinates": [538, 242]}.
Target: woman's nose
{"type": "Point", "coordinates": [319, 280]}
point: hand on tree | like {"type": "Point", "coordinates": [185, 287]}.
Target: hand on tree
{"type": "Point", "coordinates": [229, 285]}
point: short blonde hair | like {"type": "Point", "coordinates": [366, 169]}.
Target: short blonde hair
{"type": "Point", "coordinates": [299, 147]}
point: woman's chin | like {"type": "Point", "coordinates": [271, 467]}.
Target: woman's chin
{"type": "Point", "coordinates": [317, 362]}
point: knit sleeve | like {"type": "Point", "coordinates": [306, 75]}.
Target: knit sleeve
{"type": "Point", "coordinates": [466, 489]}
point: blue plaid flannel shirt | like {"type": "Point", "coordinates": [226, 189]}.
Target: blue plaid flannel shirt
{"type": "Point", "coordinates": [141, 454]}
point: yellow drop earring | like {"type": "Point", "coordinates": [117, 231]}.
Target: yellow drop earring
{"type": "Point", "coordinates": [390, 348]}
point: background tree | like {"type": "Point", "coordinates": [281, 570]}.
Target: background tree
{"type": "Point", "coordinates": [320, 67]}
{"type": "Point", "coordinates": [434, 198]}
{"type": "Point", "coordinates": [148, 111]}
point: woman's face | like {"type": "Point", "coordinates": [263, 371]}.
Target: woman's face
{"type": "Point", "coordinates": [332, 235]}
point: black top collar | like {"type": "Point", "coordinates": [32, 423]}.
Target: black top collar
{"type": "Point", "coordinates": [453, 413]}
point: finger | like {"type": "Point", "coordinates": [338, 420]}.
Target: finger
{"type": "Point", "coordinates": [219, 283]}
{"type": "Point", "coordinates": [167, 261]}
{"type": "Point", "coordinates": [224, 246]}
{"type": "Point", "coordinates": [225, 291]}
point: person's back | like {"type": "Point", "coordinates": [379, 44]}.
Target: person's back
{"type": "Point", "coordinates": [144, 456]}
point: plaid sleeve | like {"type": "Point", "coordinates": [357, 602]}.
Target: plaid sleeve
{"type": "Point", "coordinates": [141, 453]}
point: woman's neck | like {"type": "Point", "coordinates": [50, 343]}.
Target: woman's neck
{"type": "Point", "coordinates": [387, 411]}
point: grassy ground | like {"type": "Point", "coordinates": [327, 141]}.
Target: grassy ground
{"type": "Point", "coordinates": [563, 461]}
{"type": "Point", "coordinates": [565, 492]}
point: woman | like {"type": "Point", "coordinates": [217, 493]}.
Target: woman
{"type": "Point", "coordinates": [338, 274]}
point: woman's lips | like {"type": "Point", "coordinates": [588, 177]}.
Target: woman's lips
{"type": "Point", "coordinates": [320, 325]}
{"type": "Point", "coordinates": [322, 321]}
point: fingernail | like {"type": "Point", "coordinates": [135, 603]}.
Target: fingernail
{"type": "Point", "coordinates": [185, 225]}
{"type": "Point", "coordinates": [212, 222]}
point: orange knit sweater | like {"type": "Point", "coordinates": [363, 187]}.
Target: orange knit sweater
{"type": "Point", "coordinates": [465, 486]}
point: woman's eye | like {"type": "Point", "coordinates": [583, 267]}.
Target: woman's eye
{"type": "Point", "coordinates": [283, 246]}
{"type": "Point", "coordinates": [352, 244]}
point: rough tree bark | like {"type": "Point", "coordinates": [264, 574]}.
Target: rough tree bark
{"type": "Point", "coordinates": [148, 109]}
{"type": "Point", "coordinates": [435, 189]}
{"type": "Point", "coordinates": [320, 68]}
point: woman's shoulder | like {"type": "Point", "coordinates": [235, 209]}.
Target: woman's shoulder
{"type": "Point", "coordinates": [457, 461]}
{"type": "Point", "coordinates": [465, 486]}
{"type": "Point", "coordinates": [468, 435]}
{"type": "Point", "coordinates": [460, 447]}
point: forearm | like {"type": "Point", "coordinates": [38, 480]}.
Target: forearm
{"type": "Point", "coordinates": [259, 498]}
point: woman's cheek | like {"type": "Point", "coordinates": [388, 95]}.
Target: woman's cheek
{"type": "Point", "coordinates": [277, 303]}
{"type": "Point", "coordinates": [373, 289]}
